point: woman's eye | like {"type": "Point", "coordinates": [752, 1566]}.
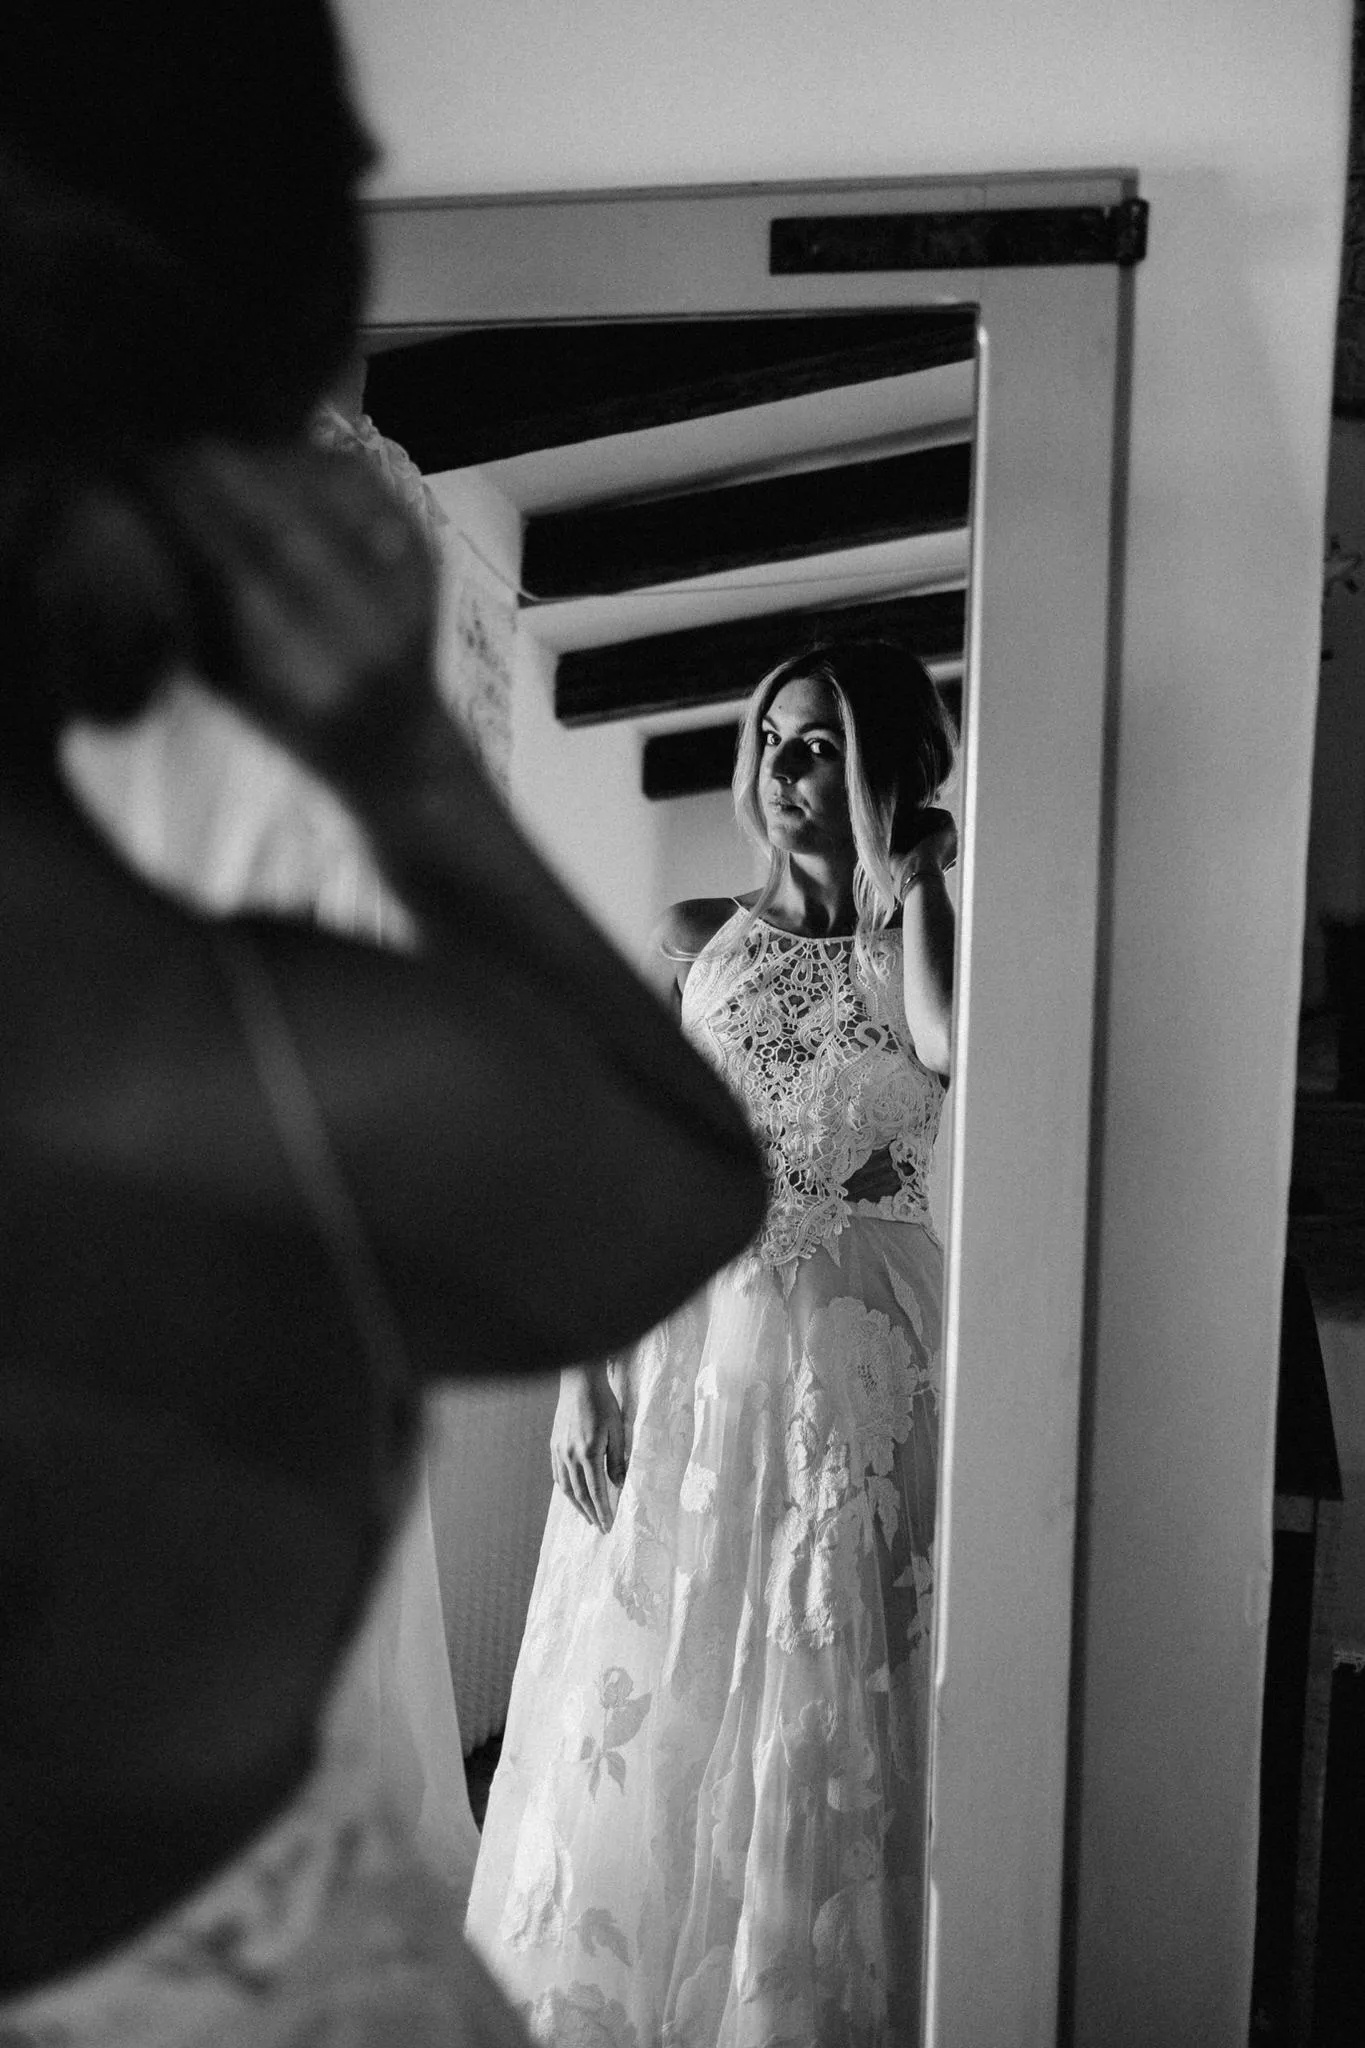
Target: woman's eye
{"type": "Point", "coordinates": [819, 750]}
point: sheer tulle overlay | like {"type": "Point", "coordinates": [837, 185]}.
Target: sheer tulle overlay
{"type": "Point", "coordinates": [328, 1931]}
{"type": "Point", "coordinates": [709, 1822]}
{"type": "Point", "coordinates": [398, 1703]}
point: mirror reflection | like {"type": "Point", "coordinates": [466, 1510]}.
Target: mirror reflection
{"type": "Point", "coordinates": [693, 1704]}
{"type": "Point", "coordinates": [707, 1814]}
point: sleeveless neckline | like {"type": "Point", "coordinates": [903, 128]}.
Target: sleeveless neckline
{"type": "Point", "coordinates": [806, 938]}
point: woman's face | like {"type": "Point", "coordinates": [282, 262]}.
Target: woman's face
{"type": "Point", "coordinates": [801, 788]}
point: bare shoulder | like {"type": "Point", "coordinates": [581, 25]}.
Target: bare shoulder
{"type": "Point", "coordinates": [686, 927]}
{"type": "Point", "coordinates": [679, 936]}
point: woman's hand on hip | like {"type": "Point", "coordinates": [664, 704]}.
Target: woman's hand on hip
{"type": "Point", "coordinates": [588, 1442]}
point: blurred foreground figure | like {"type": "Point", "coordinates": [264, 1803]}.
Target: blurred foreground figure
{"type": "Point", "coordinates": [258, 1183]}
{"type": "Point", "coordinates": [205, 803]}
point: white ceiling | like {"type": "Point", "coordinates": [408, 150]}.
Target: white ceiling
{"type": "Point", "coordinates": [858, 422]}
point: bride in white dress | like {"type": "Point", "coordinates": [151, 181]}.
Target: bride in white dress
{"type": "Point", "coordinates": [708, 1826]}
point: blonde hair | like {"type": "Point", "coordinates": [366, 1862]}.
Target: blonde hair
{"type": "Point", "coordinates": [898, 749]}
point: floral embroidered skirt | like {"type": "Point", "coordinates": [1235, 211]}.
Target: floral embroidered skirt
{"type": "Point", "coordinates": [708, 1826]}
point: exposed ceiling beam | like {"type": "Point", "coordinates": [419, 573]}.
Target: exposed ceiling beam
{"type": "Point", "coordinates": [686, 763]}
{"type": "Point", "coordinates": [702, 758]}
{"type": "Point", "coordinates": [483, 394]}
{"type": "Point", "coordinates": [890, 568]}
{"type": "Point", "coordinates": [601, 549]}
{"type": "Point", "coordinates": [717, 664]}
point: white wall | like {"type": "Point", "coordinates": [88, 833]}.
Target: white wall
{"type": "Point", "coordinates": [1234, 112]}
{"type": "Point", "coordinates": [577, 790]}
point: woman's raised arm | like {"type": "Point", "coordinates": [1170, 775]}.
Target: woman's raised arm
{"type": "Point", "coordinates": [930, 932]}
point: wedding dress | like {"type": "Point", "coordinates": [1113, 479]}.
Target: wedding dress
{"type": "Point", "coordinates": [708, 1826]}
{"type": "Point", "coordinates": [326, 1931]}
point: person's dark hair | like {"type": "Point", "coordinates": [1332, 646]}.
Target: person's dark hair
{"type": "Point", "coordinates": [206, 151]}
{"type": "Point", "coordinates": [898, 750]}
{"type": "Point", "coordinates": [180, 250]}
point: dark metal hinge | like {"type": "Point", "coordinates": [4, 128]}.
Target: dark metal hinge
{"type": "Point", "coordinates": [998, 238]}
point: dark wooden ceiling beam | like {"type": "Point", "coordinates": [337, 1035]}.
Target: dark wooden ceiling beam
{"type": "Point", "coordinates": [688, 763]}
{"type": "Point", "coordinates": [484, 394]}
{"type": "Point", "coordinates": [715, 664]}
{"type": "Point", "coordinates": [702, 758]}
{"type": "Point", "coordinates": [601, 549]}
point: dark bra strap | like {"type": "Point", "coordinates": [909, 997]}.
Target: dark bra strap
{"type": "Point", "coordinates": [302, 1133]}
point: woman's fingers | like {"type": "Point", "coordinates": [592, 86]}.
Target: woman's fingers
{"type": "Point", "coordinates": [114, 599]}
{"type": "Point", "coordinates": [930, 829]}
{"type": "Point", "coordinates": [322, 532]}
{"type": "Point", "coordinates": [581, 1476]}
{"type": "Point", "coordinates": [582, 1497]}
{"type": "Point", "coordinates": [299, 512]}
{"type": "Point", "coordinates": [616, 1450]}
{"type": "Point", "coordinates": [569, 1478]}
{"type": "Point", "coordinates": [318, 591]}
{"type": "Point", "coordinates": [563, 1478]}
{"type": "Point", "coordinates": [594, 1471]}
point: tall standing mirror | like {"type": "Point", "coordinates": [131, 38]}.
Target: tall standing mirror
{"type": "Point", "coordinates": [674, 439]}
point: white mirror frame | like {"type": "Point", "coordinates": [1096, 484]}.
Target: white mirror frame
{"type": "Point", "coordinates": [1039, 687]}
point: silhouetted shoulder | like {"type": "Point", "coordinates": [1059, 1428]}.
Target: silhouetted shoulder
{"type": "Point", "coordinates": [679, 936]}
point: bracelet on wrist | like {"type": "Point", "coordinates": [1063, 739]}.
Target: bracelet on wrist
{"type": "Point", "coordinates": [918, 875]}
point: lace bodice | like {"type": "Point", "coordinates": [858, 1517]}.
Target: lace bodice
{"type": "Point", "coordinates": [812, 1037]}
